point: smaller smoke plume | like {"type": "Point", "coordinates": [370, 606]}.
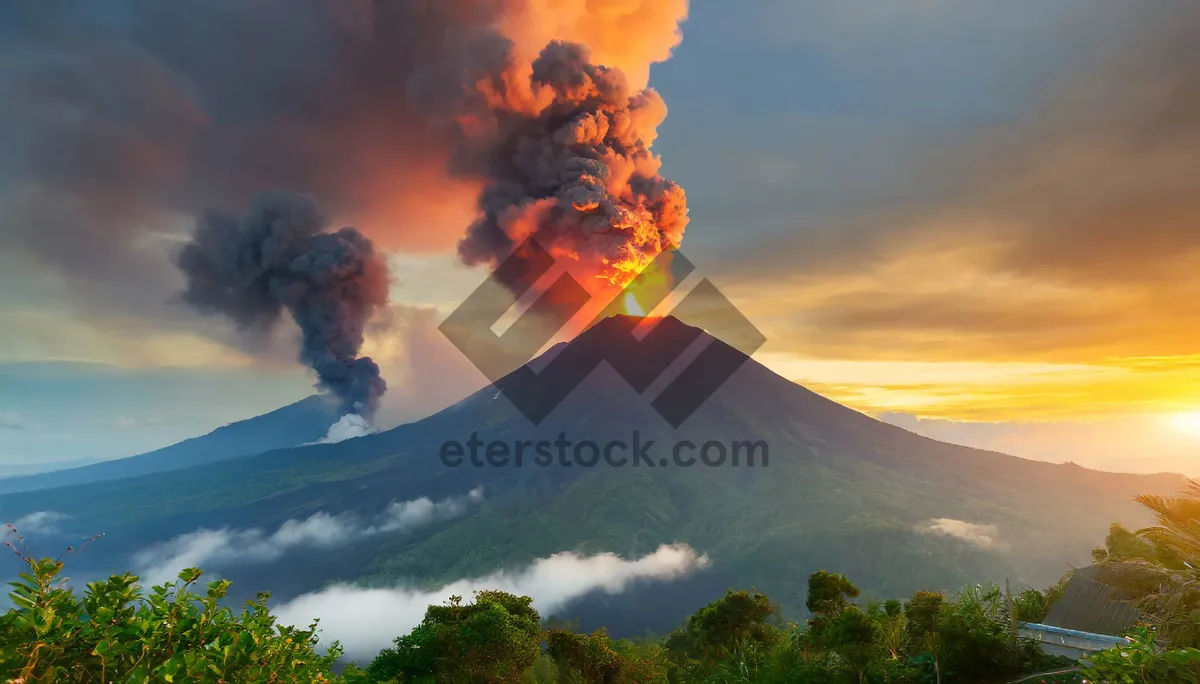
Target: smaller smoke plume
{"type": "Point", "coordinates": [367, 620]}
{"type": "Point", "coordinates": [279, 258]}
{"type": "Point", "coordinates": [347, 427]}
{"type": "Point", "coordinates": [223, 547]}
{"type": "Point", "coordinates": [983, 536]}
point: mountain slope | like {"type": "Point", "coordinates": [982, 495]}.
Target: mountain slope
{"type": "Point", "coordinates": [841, 491]}
{"type": "Point", "coordinates": [304, 421]}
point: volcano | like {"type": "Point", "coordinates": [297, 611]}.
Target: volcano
{"type": "Point", "coordinates": [839, 491]}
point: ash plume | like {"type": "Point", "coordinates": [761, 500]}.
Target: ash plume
{"type": "Point", "coordinates": [565, 148]}
{"type": "Point", "coordinates": [279, 258]}
{"type": "Point", "coordinates": [124, 120]}
{"type": "Point", "coordinates": [396, 115]}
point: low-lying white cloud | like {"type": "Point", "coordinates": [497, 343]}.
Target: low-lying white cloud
{"type": "Point", "coordinates": [366, 620]}
{"type": "Point", "coordinates": [347, 427]}
{"type": "Point", "coordinates": [204, 548]}
{"type": "Point", "coordinates": [39, 522]}
{"type": "Point", "coordinates": [983, 536]}
{"type": "Point", "coordinates": [207, 548]}
{"type": "Point", "coordinates": [405, 515]}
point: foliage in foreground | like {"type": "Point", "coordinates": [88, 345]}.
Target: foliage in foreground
{"type": "Point", "coordinates": [496, 638]}
{"type": "Point", "coordinates": [116, 632]}
{"type": "Point", "coordinates": [1144, 661]}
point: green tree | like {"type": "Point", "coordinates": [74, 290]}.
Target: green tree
{"type": "Point", "coordinates": [974, 638]}
{"type": "Point", "coordinates": [851, 635]}
{"type": "Point", "coordinates": [1030, 605]}
{"type": "Point", "coordinates": [923, 615]}
{"type": "Point", "coordinates": [585, 657]}
{"type": "Point", "coordinates": [1163, 567]}
{"type": "Point", "coordinates": [596, 659]}
{"type": "Point", "coordinates": [494, 639]}
{"type": "Point", "coordinates": [115, 632]}
{"type": "Point", "coordinates": [829, 593]}
{"type": "Point", "coordinates": [893, 607]}
{"type": "Point", "coordinates": [891, 654]}
{"type": "Point", "coordinates": [734, 622]}
{"type": "Point", "coordinates": [1123, 544]}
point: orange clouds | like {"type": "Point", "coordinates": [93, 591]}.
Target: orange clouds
{"type": "Point", "coordinates": [626, 34]}
{"type": "Point", "coordinates": [1073, 243]}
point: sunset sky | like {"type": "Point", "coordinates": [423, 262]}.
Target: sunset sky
{"type": "Point", "coordinates": [979, 220]}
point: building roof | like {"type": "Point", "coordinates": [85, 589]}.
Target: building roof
{"type": "Point", "coordinates": [1090, 605]}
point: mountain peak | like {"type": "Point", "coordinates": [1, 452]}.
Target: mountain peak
{"type": "Point", "coordinates": [643, 352]}
{"type": "Point", "coordinates": [623, 324]}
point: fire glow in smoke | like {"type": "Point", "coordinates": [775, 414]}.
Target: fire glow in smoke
{"type": "Point", "coordinates": [571, 166]}
{"type": "Point", "coordinates": [531, 102]}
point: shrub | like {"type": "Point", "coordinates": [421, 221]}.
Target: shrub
{"type": "Point", "coordinates": [115, 632]}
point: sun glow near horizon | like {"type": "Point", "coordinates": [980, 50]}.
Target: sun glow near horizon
{"type": "Point", "coordinates": [1184, 422]}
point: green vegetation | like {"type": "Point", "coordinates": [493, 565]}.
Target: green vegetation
{"type": "Point", "coordinates": [494, 639]}
{"type": "Point", "coordinates": [1145, 661]}
{"type": "Point", "coordinates": [115, 632]}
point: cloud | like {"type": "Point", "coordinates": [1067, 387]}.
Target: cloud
{"type": "Point", "coordinates": [14, 421]}
{"type": "Point", "coordinates": [996, 390]}
{"type": "Point", "coordinates": [983, 536]}
{"type": "Point", "coordinates": [214, 548]}
{"type": "Point", "coordinates": [129, 422]}
{"type": "Point", "coordinates": [406, 515]}
{"type": "Point", "coordinates": [122, 123]}
{"type": "Point", "coordinates": [366, 620]}
{"type": "Point", "coordinates": [1067, 234]}
{"type": "Point", "coordinates": [40, 522]}
{"type": "Point", "coordinates": [1060, 233]}
{"type": "Point", "coordinates": [206, 548]}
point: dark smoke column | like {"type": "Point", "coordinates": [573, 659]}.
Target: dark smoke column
{"type": "Point", "coordinates": [278, 258]}
{"type": "Point", "coordinates": [564, 149]}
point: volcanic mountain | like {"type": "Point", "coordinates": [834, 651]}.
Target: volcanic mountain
{"type": "Point", "coordinates": [839, 491]}
{"type": "Point", "coordinates": [296, 423]}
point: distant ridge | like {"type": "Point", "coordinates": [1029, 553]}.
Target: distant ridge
{"type": "Point", "coordinates": [21, 469]}
{"type": "Point", "coordinates": [304, 421]}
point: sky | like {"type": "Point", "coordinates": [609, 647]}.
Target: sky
{"type": "Point", "coordinates": [972, 219]}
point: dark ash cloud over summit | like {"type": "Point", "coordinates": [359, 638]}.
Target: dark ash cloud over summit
{"type": "Point", "coordinates": [122, 116]}
{"type": "Point", "coordinates": [419, 122]}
